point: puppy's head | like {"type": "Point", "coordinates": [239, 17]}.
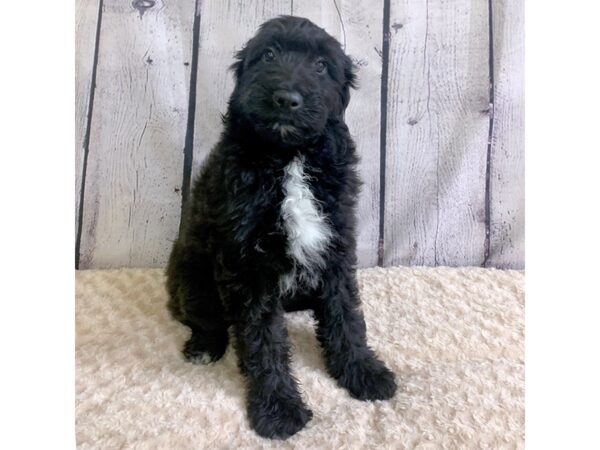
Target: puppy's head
{"type": "Point", "coordinates": [291, 77]}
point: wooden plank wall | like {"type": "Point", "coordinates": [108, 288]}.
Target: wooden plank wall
{"type": "Point", "coordinates": [507, 174]}
{"type": "Point", "coordinates": [438, 120]}
{"type": "Point", "coordinates": [137, 133]}
{"type": "Point", "coordinates": [437, 133]}
{"type": "Point", "coordinates": [86, 27]}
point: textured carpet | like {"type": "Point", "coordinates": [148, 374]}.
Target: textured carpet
{"type": "Point", "coordinates": [454, 337]}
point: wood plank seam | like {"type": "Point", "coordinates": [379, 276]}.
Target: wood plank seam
{"type": "Point", "coordinates": [427, 62]}
{"type": "Point", "coordinates": [341, 23]}
{"type": "Point", "coordinates": [86, 139]}
{"type": "Point", "coordinates": [488, 165]}
{"type": "Point", "coordinates": [188, 150]}
{"type": "Point", "coordinates": [383, 127]}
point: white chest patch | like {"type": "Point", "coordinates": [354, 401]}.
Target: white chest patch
{"type": "Point", "coordinates": [308, 232]}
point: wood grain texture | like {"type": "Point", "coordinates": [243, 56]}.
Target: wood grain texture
{"type": "Point", "coordinates": [86, 20]}
{"type": "Point", "coordinates": [437, 126]}
{"type": "Point", "coordinates": [437, 133]}
{"type": "Point", "coordinates": [224, 29]}
{"type": "Point", "coordinates": [507, 181]}
{"type": "Point", "coordinates": [358, 25]}
{"type": "Point", "coordinates": [134, 170]}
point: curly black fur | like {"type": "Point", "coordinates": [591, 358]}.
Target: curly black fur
{"type": "Point", "coordinates": [226, 268]}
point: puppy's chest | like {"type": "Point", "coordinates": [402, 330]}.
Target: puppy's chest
{"type": "Point", "coordinates": [307, 228]}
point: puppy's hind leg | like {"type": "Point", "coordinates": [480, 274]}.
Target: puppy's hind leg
{"type": "Point", "coordinates": [194, 301]}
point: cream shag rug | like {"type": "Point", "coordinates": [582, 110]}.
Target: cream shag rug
{"type": "Point", "coordinates": [454, 337]}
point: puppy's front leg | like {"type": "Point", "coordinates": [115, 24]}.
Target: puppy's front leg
{"type": "Point", "coordinates": [341, 331]}
{"type": "Point", "coordinates": [275, 408]}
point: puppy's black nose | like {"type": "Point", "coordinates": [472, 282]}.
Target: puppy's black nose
{"type": "Point", "coordinates": [287, 99]}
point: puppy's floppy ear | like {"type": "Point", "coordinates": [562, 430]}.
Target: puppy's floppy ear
{"type": "Point", "coordinates": [349, 81]}
{"type": "Point", "coordinates": [238, 66]}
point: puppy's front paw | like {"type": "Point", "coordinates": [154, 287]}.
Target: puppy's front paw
{"type": "Point", "coordinates": [198, 351]}
{"type": "Point", "coordinates": [276, 417]}
{"type": "Point", "coordinates": [368, 379]}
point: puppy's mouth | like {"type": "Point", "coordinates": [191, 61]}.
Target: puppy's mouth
{"type": "Point", "coordinates": [286, 130]}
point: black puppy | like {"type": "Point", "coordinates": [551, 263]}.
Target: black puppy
{"type": "Point", "coordinates": [270, 227]}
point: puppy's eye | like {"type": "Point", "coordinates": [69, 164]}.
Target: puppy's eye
{"type": "Point", "coordinates": [321, 66]}
{"type": "Point", "coordinates": [268, 56]}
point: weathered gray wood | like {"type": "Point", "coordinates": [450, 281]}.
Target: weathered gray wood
{"type": "Point", "coordinates": [86, 20]}
{"type": "Point", "coordinates": [135, 162]}
{"type": "Point", "coordinates": [437, 133]}
{"type": "Point", "coordinates": [358, 25]}
{"type": "Point", "coordinates": [225, 27]}
{"type": "Point", "coordinates": [437, 127]}
{"type": "Point", "coordinates": [507, 190]}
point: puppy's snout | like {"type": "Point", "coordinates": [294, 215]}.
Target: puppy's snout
{"type": "Point", "coordinates": [289, 100]}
